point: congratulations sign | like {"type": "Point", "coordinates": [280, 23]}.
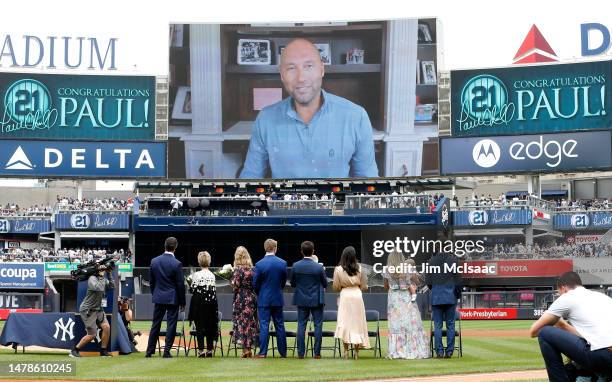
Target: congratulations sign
{"type": "Point", "coordinates": [55, 106]}
{"type": "Point", "coordinates": [531, 99]}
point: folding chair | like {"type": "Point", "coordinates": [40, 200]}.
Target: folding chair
{"type": "Point", "coordinates": [288, 316]}
{"type": "Point", "coordinates": [180, 334]}
{"type": "Point", "coordinates": [374, 316]}
{"type": "Point", "coordinates": [444, 334]}
{"type": "Point", "coordinates": [328, 316]}
{"type": "Point", "coordinates": [193, 337]}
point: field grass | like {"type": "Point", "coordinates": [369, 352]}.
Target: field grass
{"type": "Point", "coordinates": [481, 354]}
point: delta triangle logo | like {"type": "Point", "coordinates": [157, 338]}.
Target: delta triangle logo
{"type": "Point", "coordinates": [19, 161]}
{"type": "Point", "coordinates": [534, 49]}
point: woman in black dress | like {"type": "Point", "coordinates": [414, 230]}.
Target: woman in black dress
{"type": "Point", "coordinates": [203, 309]}
{"type": "Point", "coordinates": [245, 323]}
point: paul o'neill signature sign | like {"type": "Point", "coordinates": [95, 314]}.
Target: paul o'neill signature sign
{"type": "Point", "coordinates": [77, 107]}
{"type": "Point", "coordinates": [534, 99]}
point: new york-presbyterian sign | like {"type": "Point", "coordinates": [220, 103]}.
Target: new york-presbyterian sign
{"type": "Point", "coordinates": [55, 106]}
{"type": "Point", "coordinates": [531, 99]}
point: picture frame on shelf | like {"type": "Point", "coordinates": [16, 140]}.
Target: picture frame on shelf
{"type": "Point", "coordinates": [279, 52]}
{"type": "Point", "coordinates": [429, 72]}
{"type": "Point", "coordinates": [176, 35]}
{"type": "Point", "coordinates": [355, 56]}
{"type": "Point", "coordinates": [424, 113]}
{"type": "Point", "coordinates": [424, 34]}
{"type": "Point", "coordinates": [254, 52]}
{"type": "Point", "coordinates": [182, 104]}
{"type": "Point", "coordinates": [325, 52]}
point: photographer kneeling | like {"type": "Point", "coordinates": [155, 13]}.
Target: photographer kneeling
{"type": "Point", "coordinates": [577, 324]}
{"type": "Point", "coordinates": [92, 313]}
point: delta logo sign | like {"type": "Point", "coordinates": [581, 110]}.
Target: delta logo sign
{"type": "Point", "coordinates": [53, 106]}
{"type": "Point", "coordinates": [82, 159]}
{"type": "Point", "coordinates": [546, 97]}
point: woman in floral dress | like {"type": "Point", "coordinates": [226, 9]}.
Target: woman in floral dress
{"type": "Point", "coordinates": [244, 318]}
{"type": "Point", "coordinates": [407, 337]}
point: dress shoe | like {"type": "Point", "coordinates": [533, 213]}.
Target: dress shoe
{"type": "Point", "coordinates": [167, 355]}
{"type": "Point", "coordinates": [260, 356]}
{"type": "Point", "coordinates": [300, 357]}
{"type": "Point", "coordinates": [440, 355]}
{"type": "Point", "coordinates": [148, 355]}
{"type": "Point", "coordinates": [448, 355]}
{"type": "Point", "coordinates": [317, 357]}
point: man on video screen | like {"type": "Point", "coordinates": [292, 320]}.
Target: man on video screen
{"type": "Point", "coordinates": [312, 133]}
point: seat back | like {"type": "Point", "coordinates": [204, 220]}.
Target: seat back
{"type": "Point", "coordinates": [330, 315]}
{"type": "Point", "coordinates": [290, 316]}
{"type": "Point", "coordinates": [373, 316]}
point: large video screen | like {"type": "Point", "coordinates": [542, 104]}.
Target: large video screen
{"type": "Point", "coordinates": [303, 100]}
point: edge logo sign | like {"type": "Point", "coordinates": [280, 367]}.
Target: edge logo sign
{"type": "Point", "coordinates": [527, 153]}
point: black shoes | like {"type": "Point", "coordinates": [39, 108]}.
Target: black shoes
{"type": "Point", "coordinates": [148, 355]}
{"type": "Point", "coordinates": [167, 355]}
{"type": "Point", "coordinates": [74, 353]}
{"type": "Point", "coordinates": [105, 353]}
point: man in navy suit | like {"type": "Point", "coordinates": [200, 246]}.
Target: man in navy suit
{"type": "Point", "coordinates": [168, 289]}
{"type": "Point", "coordinates": [309, 280]}
{"type": "Point", "coordinates": [269, 280]}
{"type": "Point", "coordinates": [445, 290]}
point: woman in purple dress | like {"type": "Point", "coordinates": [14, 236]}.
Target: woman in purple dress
{"type": "Point", "coordinates": [244, 318]}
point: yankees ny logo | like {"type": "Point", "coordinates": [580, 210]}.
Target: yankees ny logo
{"type": "Point", "coordinates": [67, 329]}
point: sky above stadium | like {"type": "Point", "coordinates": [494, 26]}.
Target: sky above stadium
{"type": "Point", "coordinates": [475, 33]}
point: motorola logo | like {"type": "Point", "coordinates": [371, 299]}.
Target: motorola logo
{"type": "Point", "coordinates": [486, 153]}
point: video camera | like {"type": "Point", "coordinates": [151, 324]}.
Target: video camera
{"type": "Point", "coordinates": [92, 267]}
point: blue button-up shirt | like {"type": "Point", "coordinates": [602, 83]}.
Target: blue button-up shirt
{"type": "Point", "coordinates": [337, 143]}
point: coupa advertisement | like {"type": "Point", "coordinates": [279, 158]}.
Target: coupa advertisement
{"type": "Point", "coordinates": [22, 276]}
{"type": "Point", "coordinates": [35, 106]}
{"type": "Point", "coordinates": [531, 99]}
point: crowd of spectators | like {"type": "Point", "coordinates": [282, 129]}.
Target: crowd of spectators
{"type": "Point", "coordinates": [66, 203]}
{"type": "Point", "coordinates": [584, 204]}
{"type": "Point", "coordinates": [557, 250]}
{"type": "Point", "coordinates": [71, 255]}
{"type": "Point", "coordinates": [13, 209]}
